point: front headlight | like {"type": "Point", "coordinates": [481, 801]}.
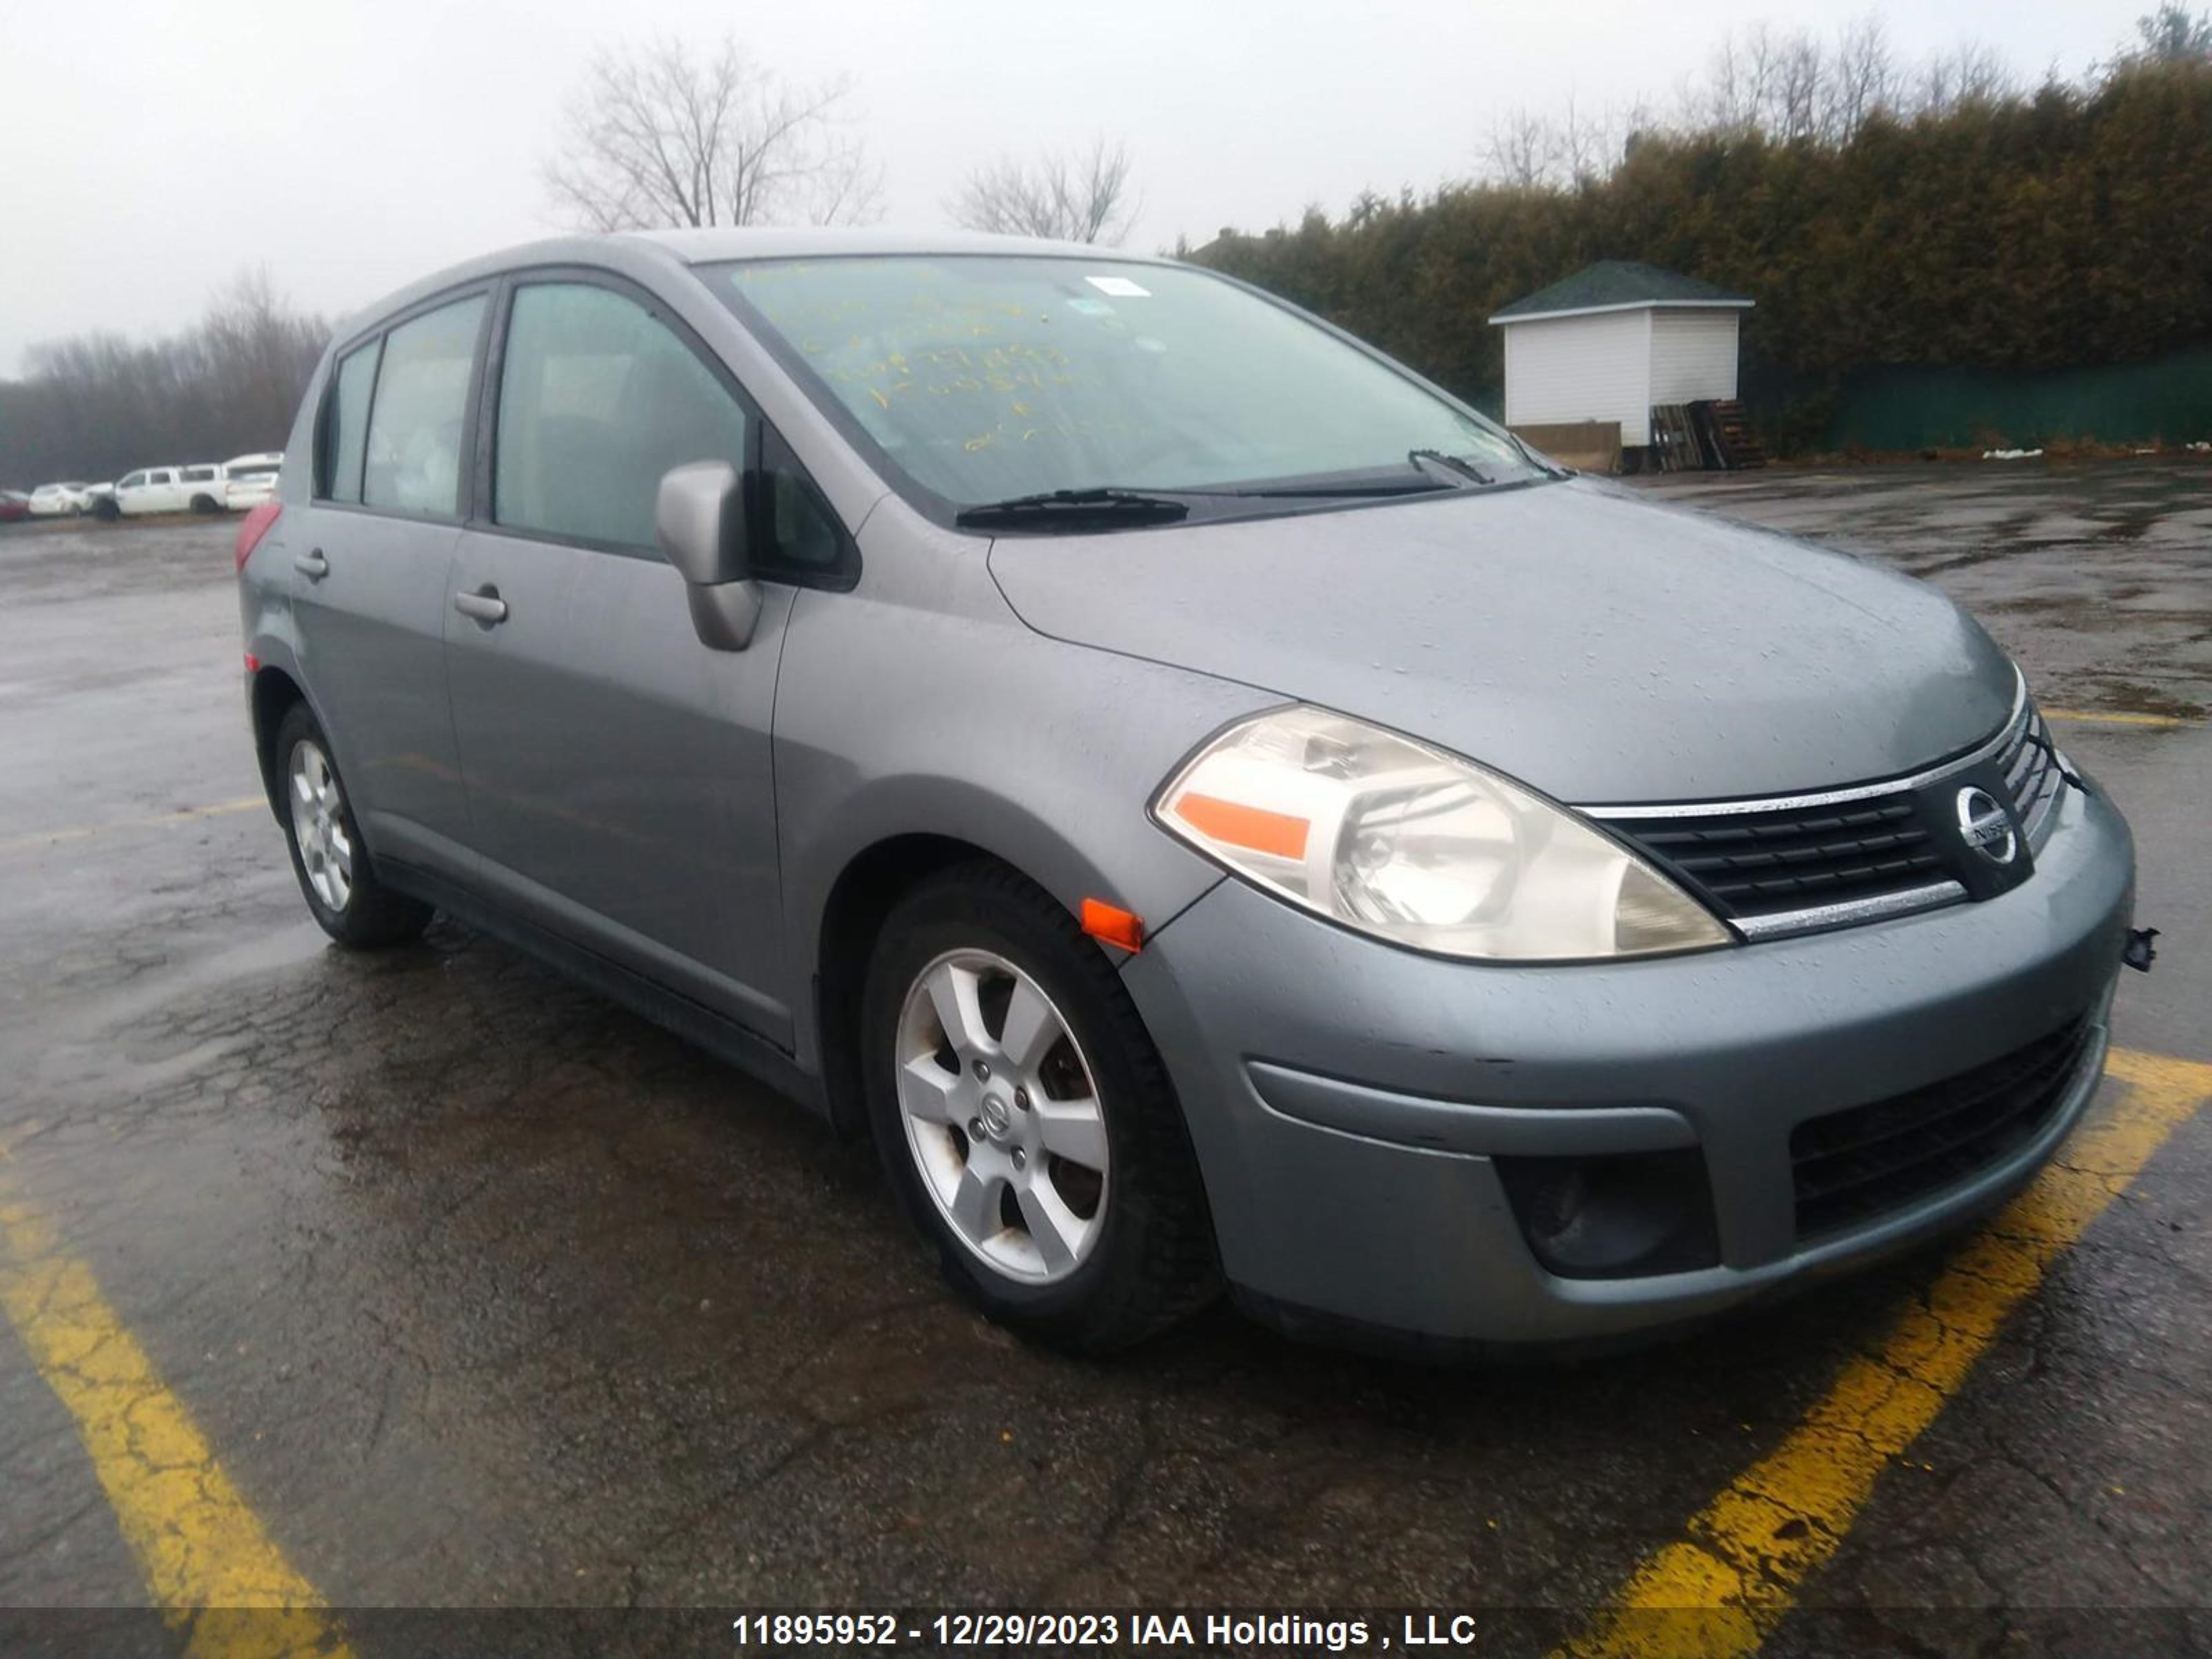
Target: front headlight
{"type": "Point", "coordinates": [1421, 848]}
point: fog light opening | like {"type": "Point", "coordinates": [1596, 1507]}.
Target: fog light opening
{"type": "Point", "coordinates": [1616, 1216]}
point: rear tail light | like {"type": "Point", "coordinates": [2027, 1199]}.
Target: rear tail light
{"type": "Point", "coordinates": [256, 525]}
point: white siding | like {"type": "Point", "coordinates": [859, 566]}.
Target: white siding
{"type": "Point", "coordinates": [1693, 355]}
{"type": "Point", "coordinates": [1581, 368]}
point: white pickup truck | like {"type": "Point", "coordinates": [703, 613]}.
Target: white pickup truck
{"type": "Point", "coordinates": [195, 489]}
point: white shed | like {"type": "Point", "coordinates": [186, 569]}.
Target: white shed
{"type": "Point", "coordinates": [1610, 341]}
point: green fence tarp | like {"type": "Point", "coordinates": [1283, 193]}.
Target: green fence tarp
{"type": "Point", "coordinates": [2169, 398]}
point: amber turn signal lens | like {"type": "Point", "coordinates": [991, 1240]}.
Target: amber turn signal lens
{"type": "Point", "coordinates": [1114, 925]}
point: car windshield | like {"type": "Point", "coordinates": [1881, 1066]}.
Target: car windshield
{"type": "Point", "coordinates": [985, 377]}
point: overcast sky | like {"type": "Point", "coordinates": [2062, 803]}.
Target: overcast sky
{"type": "Point", "coordinates": [149, 153]}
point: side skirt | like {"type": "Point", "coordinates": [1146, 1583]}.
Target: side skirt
{"type": "Point", "coordinates": [724, 1038]}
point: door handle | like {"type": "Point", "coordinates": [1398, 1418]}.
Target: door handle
{"type": "Point", "coordinates": [483, 606]}
{"type": "Point", "coordinates": [313, 565]}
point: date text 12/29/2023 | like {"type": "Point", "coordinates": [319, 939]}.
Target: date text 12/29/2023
{"type": "Point", "coordinates": [952, 1631]}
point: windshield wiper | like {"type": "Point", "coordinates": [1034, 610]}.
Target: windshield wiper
{"type": "Point", "coordinates": [1072, 509]}
{"type": "Point", "coordinates": [1457, 465]}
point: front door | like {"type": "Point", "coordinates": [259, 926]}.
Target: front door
{"type": "Point", "coordinates": [619, 783]}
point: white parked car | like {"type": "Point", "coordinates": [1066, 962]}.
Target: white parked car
{"type": "Point", "coordinates": [57, 501]}
{"type": "Point", "coordinates": [195, 489]}
{"type": "Point", "coordinates": [250, 480]}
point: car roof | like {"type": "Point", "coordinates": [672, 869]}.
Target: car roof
{"type": "Point", "coordinates": [640, 253]}
{"type": "Point", "coordinates": [696, 247]}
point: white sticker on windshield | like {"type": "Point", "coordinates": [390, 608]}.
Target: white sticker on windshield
{"type": "Point", "coordinates": [1120, 286]}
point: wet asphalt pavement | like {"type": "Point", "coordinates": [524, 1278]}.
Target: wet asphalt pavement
{"type": "Point", "coordinates": [487, 1293]}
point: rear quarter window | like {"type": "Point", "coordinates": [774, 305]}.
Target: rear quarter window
{"type": "Point", "coordinates": [345, 424]}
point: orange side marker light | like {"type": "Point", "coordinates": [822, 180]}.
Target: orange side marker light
{"type": "Point", "coordinates": [1112, 925]}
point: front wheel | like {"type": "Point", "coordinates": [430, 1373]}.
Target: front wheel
{"type": "Point", "coordinates": [1026, 1119]}
{"type": "Point", "coordinates": [336, 878]}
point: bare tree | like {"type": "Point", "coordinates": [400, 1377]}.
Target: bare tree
{"type": "Point", "coordinates": [664, 134]}
{"type": "Point", "coordinates": [1523, 151]}
{"type": "Point", "coordinates": [2172, 34]}
{"type": "Point", "coordinates": [1973, 73]}
{"type": "Point", "coordinates": [1070, 197]}
{"type": "Point", "coordinates": [94, 404]}
{"type": "Point", "coordinates": [1586, 147]}
{"type": "Point", "coordinates": [1799, 88]}
{"type": "Point", "coordinates": [256, 354]}
{"type": "Point", "coordinates": [1864, 83]}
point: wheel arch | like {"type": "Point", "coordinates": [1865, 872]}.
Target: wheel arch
{"type": "Point", "coordinates": [871, 883]}
{"type": "Point", "coordinates": [273, 693]}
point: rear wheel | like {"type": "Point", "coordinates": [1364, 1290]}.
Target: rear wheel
{"type": "Point", "coordinates": [336, 877]}
{"type": "Point", "coordinates": [206, 506]}
{"type": "Point", "coordinates": [1026, 1119]}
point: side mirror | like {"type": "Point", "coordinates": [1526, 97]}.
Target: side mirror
{"type": "Point", "coordinates": [700, 518]}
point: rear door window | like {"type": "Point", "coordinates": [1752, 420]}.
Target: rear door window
{"type": "Point", "coordinates": [596, 399]}
{"type": "Point", "coordinates": [412, 461]}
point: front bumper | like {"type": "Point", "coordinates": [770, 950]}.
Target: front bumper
{"type": "Point", "coordinates": [1361, 1191]}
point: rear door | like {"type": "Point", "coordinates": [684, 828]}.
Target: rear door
{"type": "Point", "coordinates": [155, 489]}
{"type": "Point", "coordinates": [372, 557]}
{"type": "Point", "coordinates": [618, 770]}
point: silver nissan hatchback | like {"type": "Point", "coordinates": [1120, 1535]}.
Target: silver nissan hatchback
{"type": "Point", "coordinates": [1218, 810]}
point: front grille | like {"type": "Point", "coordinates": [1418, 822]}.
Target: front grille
{"type": "Point", "coordinates": [1793, 867]}
{"type": "Point", "coordinates": [1769, 863]}
{"type": "Point", "coordinates": [2032, 773]}
{"type": "Point", "coordinates": [1866, 1160]}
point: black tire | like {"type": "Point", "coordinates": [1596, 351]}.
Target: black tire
{"type": "Point", "coordinates": [372, 915]}
{"type": "Point", "coordinates": [1154, 1261]}
{"type": "Point", "coordinates": [104, 510]}
{"type": "Point", "coordinates": [206, 506]}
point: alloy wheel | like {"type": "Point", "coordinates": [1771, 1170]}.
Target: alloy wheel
{"type": "Point", "coordinates": [318, 825]}
{"type": "Point", "coordinates": [1002, 1116]}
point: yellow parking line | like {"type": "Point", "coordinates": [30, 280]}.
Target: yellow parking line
{"type": "Point", "coordinates": [182, 815]}
{"type": "Point", "coordinates": [1723, 1588]}
{"type": "Point", "coordinates": [2097, 717]}
{"type": "Point", "coordinates": [218, 1578]}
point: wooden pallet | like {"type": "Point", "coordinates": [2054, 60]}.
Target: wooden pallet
{"type": "Point", "coordinates": [1673, 440]}
{"type": "Point", "coordinates": [1725, 434]}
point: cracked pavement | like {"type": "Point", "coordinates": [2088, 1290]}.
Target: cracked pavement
{"type": "Point", "coordinates": [489, 1294]}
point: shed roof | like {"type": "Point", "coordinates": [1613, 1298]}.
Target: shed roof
{"type": "Point", "coordinates": [1619, 285]}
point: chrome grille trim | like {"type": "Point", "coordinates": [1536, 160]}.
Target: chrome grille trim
{"type": "Point", "coordinates": [2002, 742]}
{"type": "Point", "coordinates": [1912, 899]}
{"type": "Point", "coordinates": [2035, 774]}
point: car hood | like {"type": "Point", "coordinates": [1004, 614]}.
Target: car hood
{"type": "Point", "coordinates": [1598, 645]}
